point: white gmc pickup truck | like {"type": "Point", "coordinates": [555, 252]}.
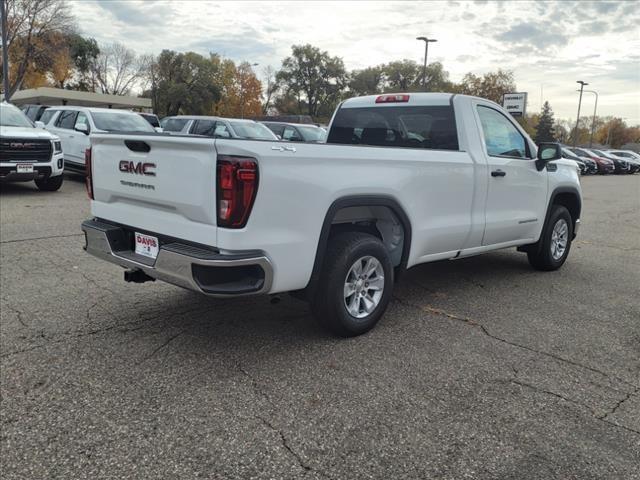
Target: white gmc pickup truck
{"type": "Point", "coordinates": [403, 179]}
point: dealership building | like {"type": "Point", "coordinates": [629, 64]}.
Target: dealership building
{"type": "Point", "coordinates": [58, 96]}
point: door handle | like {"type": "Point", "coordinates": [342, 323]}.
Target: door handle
{"type": "Point", "coordinates": [498, 173]}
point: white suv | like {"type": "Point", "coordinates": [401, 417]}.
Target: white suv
{"type": "Point", "coordinates": [74, 126]}
{"type": "Point", "coordinates": [28, 153]}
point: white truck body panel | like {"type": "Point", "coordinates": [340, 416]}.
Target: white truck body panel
{"type": "Point", "coordinates": [454, 205]}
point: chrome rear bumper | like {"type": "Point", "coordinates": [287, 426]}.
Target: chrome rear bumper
{"type": "Point", "coordinates": [188, 266]}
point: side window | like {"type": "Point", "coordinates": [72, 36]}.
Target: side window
{"type": "Point", "coordinates": [47, 115]}
{"type": "Point", "coordinates": [277, 129]}
{"type": "Point", "coordinates": [221, 131]}
{"type": "Point", "coordinates": [81, 119]}
{"type": "Point", "coordinates": [204, 127]}
{"type": "Point", "coordinates": [501, 137]}
{"type": "Point", "coordinates": [67, 119]}
{"type": "Point", "coordinates": [291, 134]}
{"type": "Point", "coordinates": [175, 124]}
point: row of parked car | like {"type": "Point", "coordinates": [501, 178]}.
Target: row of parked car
{"type": "Point", "coordinates": [71, 127]}
{"type": "Point", "coordinates": [593, 161]}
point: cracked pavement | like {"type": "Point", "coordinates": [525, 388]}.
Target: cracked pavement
{"type": "Point", "coordinates": [482, 368]}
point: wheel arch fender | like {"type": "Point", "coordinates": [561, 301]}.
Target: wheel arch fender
{"type": "Point", "coordinates": [360, 201]}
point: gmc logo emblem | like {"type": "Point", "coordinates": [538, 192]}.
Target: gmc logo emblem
{"type": "Point", "coordinates": [139, 168]}
{"type": "Point", "coordinates": [22, 145]}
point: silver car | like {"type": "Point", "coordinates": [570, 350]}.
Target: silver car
{"type": "Point", "coordinates": [217, 127]}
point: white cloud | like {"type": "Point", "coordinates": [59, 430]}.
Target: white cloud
{"type": "Point", "coordinates": [548, 44]}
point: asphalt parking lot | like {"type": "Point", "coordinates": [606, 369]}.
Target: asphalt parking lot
{"type": "Point", "coordinates": [482, 368]}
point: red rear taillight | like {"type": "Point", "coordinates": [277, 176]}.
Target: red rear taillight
{"type": "Point", "coordinates": [237, 188]}
{"type": "Point", "coordinates": [88, 173]}
{"type": "Point", "coordinates": [392, 99]}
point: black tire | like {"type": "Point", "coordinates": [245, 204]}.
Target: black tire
{"type": "Point", "coordinates": [540, 255]}
{"type": "Point", "coordinates": [50, 184]}
{"type": "Point", "coordinates": [328, 302]}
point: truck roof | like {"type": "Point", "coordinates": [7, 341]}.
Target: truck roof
{"type": "Point", "coordinates": [415, 99]}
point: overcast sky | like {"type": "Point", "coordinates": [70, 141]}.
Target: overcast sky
{"type": "Point", "coordinates": [548, 45]}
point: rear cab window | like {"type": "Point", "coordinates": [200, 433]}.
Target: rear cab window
{"type": "Point", "coordinates": [428, 127]}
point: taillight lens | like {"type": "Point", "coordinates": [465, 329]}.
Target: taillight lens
{"type": "Point", "coordinates": [237, 188]}
{"type": "Point", "coordinates": [88, 174]}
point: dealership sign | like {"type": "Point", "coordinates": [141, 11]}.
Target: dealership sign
{"type": "Point", "coordinates": [515, 103]}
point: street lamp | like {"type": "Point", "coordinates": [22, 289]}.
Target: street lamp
{"type": "Point", "coordinates": [575, 133]}
{"type": "Point", "coordinates": [593, 122]}
{"type": "Point", "coordinates": [426, 51]}
{"type": "Point", "coordinates": [5, 51]}
{"type": "Point", "coordinates": [242, 88]}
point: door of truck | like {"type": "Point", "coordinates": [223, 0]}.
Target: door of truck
{"type": "Point", "coordinates": [517, 191]}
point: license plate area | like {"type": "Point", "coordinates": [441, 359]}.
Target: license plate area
{"type": "Point", "coordinates": [24, 168]}
{"type": "Point", "coordinates": [146, 245]}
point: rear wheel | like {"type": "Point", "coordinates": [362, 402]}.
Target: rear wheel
{"type": "Point", "coordinates": [50, 184]}
{"type": "Point", "coordinates": [552, 249]}
{"type": "Point", "coordinates": [355, 285]}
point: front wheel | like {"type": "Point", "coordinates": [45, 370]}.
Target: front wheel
{"type": "Point", "coordinates": [552, 249]}
{"type": "Point", "coordinates": [355, 285]}
{"type": "Point", "coordinates": [50, 184]}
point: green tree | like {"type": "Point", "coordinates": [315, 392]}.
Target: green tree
{"type": "Point", "coordinates": [492, 85]}
{"type": "Point", "coordinates": [315, 78]}
{"type": "Point", "coordinates": [183, 83]}
{"type": "Point", "coordinates": [545, 131]}
{"type": "Point", "coordinates": [402, 76]}
{"type": "Point", "coordinates": [367, 81]}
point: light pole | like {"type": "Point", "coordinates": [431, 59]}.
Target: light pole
{"type": "Point", "coordinates": [247, 65]}
{"type": "Point", "coordinates": [593, 122]}
{"type": "Point", "coordinates": [575, 133]}
{"type": "Point", "coordinates": [426, 51]}
{"type": "Point", "coordinates": [5, 51]}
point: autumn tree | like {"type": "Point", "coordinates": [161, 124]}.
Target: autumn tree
{"type": "Point", "coordinates": [314, 77]}
{"type": "Point", "coordinates": [271, 89]}
{"type": "Point", "coordinates": [545, 129]}
{"type": "Point", "coordinates": [31, 28]}
{"type": "Point", "coordinates": [492, 85]}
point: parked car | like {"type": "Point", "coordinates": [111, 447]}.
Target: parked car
{"type": "Point", "coordinates": [218, 127]}
{"type": "Point", "coordinates": [34, 112]}
{"type": "Point", "coordinates": [152, 118]}
{"type": "Point", "coordinates": [605, 166]}
{"type": "Point", "coordinates": [403, 179]}
{"type": "Point", "coordinates": [28, 153]}
{"type": "Point", "coordinates": [296, 132]}
{"type": "Point", "coordinates": [622, 164]}
{"type": "Point", "coordinates": [76, 125]}
{"type": "Point", "coordinates": [569, 155]}
{"type": "Point", "coordinates": [634, 163]}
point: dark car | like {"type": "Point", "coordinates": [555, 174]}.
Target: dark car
{"type": "Point", "coordinates": [605, 166]}
{"type": "Point", "coordinates": [297, 132]}
{"type": "Point", "coordinates": [622, 164]}
{"type": "Point", "coordinates": [587, 166]}
{"type": "Point", "coordinates": [34, 112]}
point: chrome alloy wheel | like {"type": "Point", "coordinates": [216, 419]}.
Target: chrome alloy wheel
{"type": "Point", "coordinates": [559, 239]}
{"type": "Point", "coordinates": [363, 287]}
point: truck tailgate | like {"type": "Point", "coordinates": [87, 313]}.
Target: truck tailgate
{"type": "Point", "coordinates": [157, 183]}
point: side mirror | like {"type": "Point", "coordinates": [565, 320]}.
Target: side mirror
{"type": "Point", "coordinates": [158, 129]}
{"type": "Point", "coordinates": [39, 124]}
{"type": "Point", "coordinates": [82, 128]}
{"type": "Point", "coordinates": [548, 152]}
